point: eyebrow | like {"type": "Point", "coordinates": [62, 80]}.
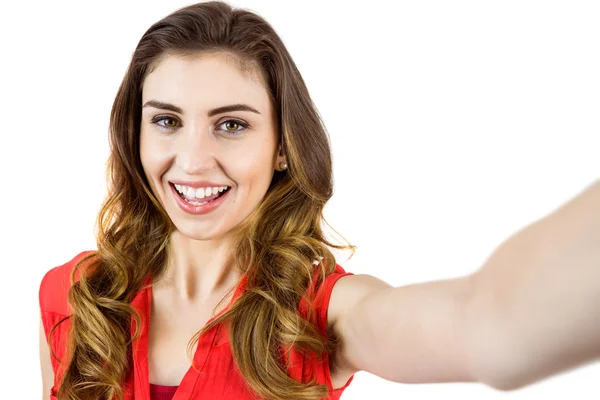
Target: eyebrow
{"type": "Point", "coordinates": [215, 111]}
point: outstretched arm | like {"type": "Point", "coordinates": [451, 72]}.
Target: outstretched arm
{"type": "Point", "coordinates": [531, 311]}
{"type": "Point", "coordinates": [536, 304]}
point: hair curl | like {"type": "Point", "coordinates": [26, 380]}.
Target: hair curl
{"type": "Point", "coordinates": [276, 245]}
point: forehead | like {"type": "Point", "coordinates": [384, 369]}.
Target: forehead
{"type": "Point", "coordinates": [204, 81]}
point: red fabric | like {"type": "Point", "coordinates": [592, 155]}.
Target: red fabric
{"type": "Point", "coordinates": [159, 392]}
{"type": "Point", "coordinates": [216, 375]}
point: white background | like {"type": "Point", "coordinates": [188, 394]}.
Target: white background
{"type": "Point", "coordinates": [453, 124]}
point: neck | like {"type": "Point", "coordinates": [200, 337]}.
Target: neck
{"type": "Point", "coordinates": [198, 269]}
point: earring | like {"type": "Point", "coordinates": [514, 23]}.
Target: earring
{"type": "Point", "coordinates": [283, 165]}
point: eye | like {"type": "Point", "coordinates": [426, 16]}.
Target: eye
{"type": "Point", "coordinates": [170, 122]}
{"type": "Point", "coordinates": [233, 123]}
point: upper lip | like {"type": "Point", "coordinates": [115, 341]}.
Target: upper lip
{"type": "Point", "coordinates": [197, 184]}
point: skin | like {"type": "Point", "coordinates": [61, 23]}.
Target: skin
{"type": "Point", "coordinates": [531, 311]}
{"type": "Point", "coordinates": [191, 145]}
{"type": "Point", "coordinates": [492, 326]}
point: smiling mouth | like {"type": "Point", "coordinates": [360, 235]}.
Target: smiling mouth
{"type": "Point", "coordinates": [198, 201]}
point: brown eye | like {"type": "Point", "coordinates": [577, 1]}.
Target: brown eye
{"type": "Point", "coordinates": [233, 123]}
{"type": "Point", "coordinates": [169, 122]}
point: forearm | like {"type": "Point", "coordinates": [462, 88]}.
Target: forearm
{"type": "Point", "coordinates": [536, 304]}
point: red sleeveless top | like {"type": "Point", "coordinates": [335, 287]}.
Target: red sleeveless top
{"type": "Point", "coordinates": [216, 376]}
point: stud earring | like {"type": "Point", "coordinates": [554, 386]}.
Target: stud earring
{"type": "Point", "coordinates": [283, 165]}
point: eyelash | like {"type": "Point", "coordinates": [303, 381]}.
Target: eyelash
{"type": "Point", "coordinates": [156, 121]}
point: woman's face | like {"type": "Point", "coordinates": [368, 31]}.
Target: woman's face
{"type": "Point", "coordinates": [188, 145]}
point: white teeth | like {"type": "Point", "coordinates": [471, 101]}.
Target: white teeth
{"type": "Point", "coordinates": [197, 203]}
{"type": "Point", "coordinates": [199, 193]}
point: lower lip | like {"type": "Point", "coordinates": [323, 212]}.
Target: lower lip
{"type": "Point", "coordinates": [198, 210]}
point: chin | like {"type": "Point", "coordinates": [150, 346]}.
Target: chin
{"type": "Point", "coordinates": [196, 232]}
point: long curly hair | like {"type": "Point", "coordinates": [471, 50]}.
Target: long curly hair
{"type": "Point", "coordinates": [276, 245]}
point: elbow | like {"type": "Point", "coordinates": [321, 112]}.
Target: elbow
{"type": "Point", "coordinates": [491, 369]}
{"type": "Point", "coordinates": [501, 383]}
{"type": "Point", "coordinates": [499, 369]}
{"type": "Point", "coordinates": [507, 382]}
{"type": "Point", "coordinates": [493, 353]}
{"type": "Point", "coordinates": [501, 361]}
{"type": "Point", "coordinates": [512, 370]}
{"type": "Point", "coordinates": [498, 356]}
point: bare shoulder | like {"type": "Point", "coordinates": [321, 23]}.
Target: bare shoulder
{"type": "Point", "coordinates": [348, 291]}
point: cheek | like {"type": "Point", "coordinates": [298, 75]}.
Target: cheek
{"type": "Point", "coordinates": [254, 167]}
{"type": "Point", "coordinates": [146, 158]}
{"type": "Point", "coordinates": [152, 158]}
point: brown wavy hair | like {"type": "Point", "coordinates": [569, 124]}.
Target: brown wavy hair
{"type": "Point", "coordinates": [276, 244]}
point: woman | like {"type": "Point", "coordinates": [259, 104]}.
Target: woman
{"type": "Point", "coordinates": [219, 172]}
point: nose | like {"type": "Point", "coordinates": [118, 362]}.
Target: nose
{"type": "Point", "coordinates": [196, 152]}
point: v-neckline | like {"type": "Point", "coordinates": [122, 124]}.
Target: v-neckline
{"type": "Point", "coordinates": [142, 302]}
